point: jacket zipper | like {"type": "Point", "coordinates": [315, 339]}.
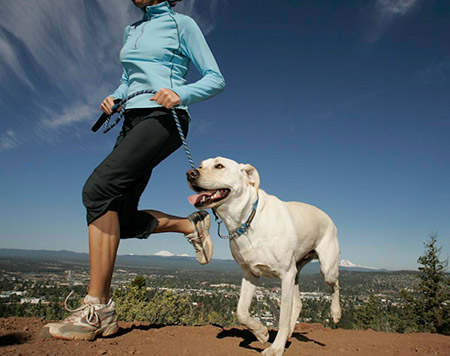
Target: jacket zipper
{"type": "Point", "coordinates": [139, 37]}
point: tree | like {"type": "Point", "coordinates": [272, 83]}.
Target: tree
{"type": "Point", "coordinates": [348, 315]}
{"type": "Point", "coordinates": [430, 304]}
{"type": "Point", "coordinates": [139, 282]}
{"type": "Point", "coordinates": [372, 315]}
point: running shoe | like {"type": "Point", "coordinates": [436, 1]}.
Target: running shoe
{"type": "Point", "coordinates": [201, 238]}
{"type": "Point", "coordinates": [89, 321]}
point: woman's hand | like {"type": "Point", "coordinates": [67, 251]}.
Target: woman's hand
{"type": "Point", "coordinates": [107, 105]}
{"type": "Point", "coordinates": [167, 98]}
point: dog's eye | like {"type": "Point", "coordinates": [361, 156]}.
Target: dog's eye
{"type": "Point", "coordinates": [219, 166]}
{"type": "Point", "coordinates": [200, 167]}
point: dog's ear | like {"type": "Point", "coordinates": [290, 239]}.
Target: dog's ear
{"type": "Point", "coordinates": [251, 173]}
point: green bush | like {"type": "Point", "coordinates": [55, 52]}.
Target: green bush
{"type": "Point", "coordinates": [165, 308]}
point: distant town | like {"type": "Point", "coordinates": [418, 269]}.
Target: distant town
{"type": "Point", "coordinates": [38, 280]}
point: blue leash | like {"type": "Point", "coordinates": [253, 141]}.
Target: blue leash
{"type": "Point", "coordinates": [120, 104]}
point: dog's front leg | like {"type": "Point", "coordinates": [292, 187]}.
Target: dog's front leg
{"type": "Point", "coordinates": [284, 325]}
{"type": "Point", "coordinates": [248, 287]}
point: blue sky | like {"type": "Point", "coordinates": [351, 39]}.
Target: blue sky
{"type": "Point", "coordinates": [343, 105]}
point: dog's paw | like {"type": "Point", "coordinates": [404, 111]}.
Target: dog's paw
{"type": "Point", "coordinates": [262, 335]}
{"type": "Point", "coordinates": [291, 332]}
{"type": "Point", "coordinates": [271, 351]}
{"type": "Point", "coordinates": [336, 314]}
{"type": "Point", "coordinates": [336, 317]}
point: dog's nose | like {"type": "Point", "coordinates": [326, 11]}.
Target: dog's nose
{"type": "Point", "coordinates": [192, 174]}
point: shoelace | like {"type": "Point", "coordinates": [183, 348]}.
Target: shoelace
{"type": "Point", "coordinates": [195, 241]}
{"type": "Point", "coordinates": [88, 309]}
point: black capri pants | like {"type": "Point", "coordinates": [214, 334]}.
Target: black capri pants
{"type": "Point", "coordinates": [148, 136]}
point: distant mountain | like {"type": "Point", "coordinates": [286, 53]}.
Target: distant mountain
{"type": "Point", "coordinates": [349, 265]}
{"type": "Point", "coordinates": [163, 260]}
{"type": "Point", "coordinates": [61, 255]}
{"type": "Point", "coordinates": [314, 267]}
{"type": "Point", "coordinates": [165, 253]}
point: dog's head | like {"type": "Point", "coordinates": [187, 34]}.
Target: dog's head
{"type": "Point", "coordinates": [219, 179]}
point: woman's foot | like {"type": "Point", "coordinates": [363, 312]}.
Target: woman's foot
{"type": "Point", "coordinates": [201, 238]}
{"type": "Point", "coordinates": [87, 322]}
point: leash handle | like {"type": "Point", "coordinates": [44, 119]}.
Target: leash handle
{"type": "Point", "coordinates": [103, 118]}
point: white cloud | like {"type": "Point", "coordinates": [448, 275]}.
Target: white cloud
{"type": "Point", "coordinates": [395, 7]}
{"type": "Point", "coordinates": [69, 117]}
{"type": "Point", "coordinates": [203, 12]}
{"type": "Point", "coordinates": [55, 125]}
{"type": "Point", "coordinates": [9, 140]}
{"type": "Point", "coordinates": [12, 62]}
{"type": "Point", "coordinates": [202, 126]}
{"type": "Point", "coordinates": [385, 13]}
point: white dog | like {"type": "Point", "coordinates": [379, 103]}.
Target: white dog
{"type": "Point", "coordinates": [268, 237]}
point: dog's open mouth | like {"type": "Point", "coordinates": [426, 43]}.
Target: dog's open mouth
{"type": "Point", "coordinates": [205, 197]}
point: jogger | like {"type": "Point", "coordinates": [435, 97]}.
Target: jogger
{"type": "Point", "coordinates": [155, 57]}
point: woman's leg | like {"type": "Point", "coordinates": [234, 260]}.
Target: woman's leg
{"type": "Point", "coordinates": [170, 223]}
{"type": "Point", "coordinates": [96, 316]}
{"type": "Point", "coordinates": [104, 237]}
{"type": "Point", "coordinates": [195, 228]}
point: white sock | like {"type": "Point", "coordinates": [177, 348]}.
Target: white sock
{"type": "Point", "coordinates": [89, 299]}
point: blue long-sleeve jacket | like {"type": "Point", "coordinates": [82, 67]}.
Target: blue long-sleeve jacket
{"type": "Point", "coordinates": [156, 54]}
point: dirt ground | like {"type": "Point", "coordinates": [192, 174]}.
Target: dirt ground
{"type": "Point", "coordinates": [21, 336]}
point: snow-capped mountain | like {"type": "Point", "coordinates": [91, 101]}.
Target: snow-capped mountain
{"type": "Point", "coordinates": [350, 264]}
{"type": "Point", "coordinates": [165, 253]}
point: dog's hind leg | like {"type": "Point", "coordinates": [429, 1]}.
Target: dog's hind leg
{"type": "Point", "coordinates": [248, 287]}
{"type": "Point", "coordinates": [296, 305]}
{"type": "Point", "coordinates": [297, 301]}
{"type": "Point", "coordinates": [328, 253]}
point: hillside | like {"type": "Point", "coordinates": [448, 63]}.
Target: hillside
{"type": "Point", "coordinates": [21, 336]}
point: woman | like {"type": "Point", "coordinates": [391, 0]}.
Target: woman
{"type": "Point", "coordinates": [156, 54]}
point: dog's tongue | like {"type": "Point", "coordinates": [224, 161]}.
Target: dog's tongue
{"type": "Point", "coordinates": [194, 199]}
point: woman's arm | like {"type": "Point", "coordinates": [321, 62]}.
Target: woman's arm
{"type": "Point", "coordinates": [194, 46]}
{"type": "Point", "coordinates": [122, 91]}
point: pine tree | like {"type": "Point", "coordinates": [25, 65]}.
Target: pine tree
{"type": "Point", "coordinates": [431, 303]}
{"type": "Point", "coordinates": [372, 315]}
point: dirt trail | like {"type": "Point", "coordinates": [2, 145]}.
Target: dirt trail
{"type": "Point", "coordinates": [21, 336]}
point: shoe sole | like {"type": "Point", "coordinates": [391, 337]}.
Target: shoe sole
{"type": "Point", "coordinates": [198, 218]}
{"type": "Point", "coordinates": [108, 331]}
